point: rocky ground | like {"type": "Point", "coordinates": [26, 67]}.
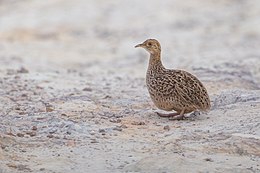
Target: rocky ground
{"type": "Point", "coordinates": [73, 95]}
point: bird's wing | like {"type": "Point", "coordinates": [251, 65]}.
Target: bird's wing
{"type": "Point", "coordinates": [188, 96]}
{"type": "Point", "coordinates": [190, 90]}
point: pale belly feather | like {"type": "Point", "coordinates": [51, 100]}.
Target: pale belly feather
{"type": "Point", "coordinates": [163, 103]}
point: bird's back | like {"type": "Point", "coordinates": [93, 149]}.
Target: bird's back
{"type": "Point", "coordinates": [177, 90]}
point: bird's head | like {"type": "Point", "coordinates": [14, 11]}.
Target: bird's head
{"type": "Point", "coordinates": [151, 45]}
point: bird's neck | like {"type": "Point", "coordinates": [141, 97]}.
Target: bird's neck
{"type": "Point", "coordinates": [155, 63]}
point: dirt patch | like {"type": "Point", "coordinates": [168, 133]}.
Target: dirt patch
{"type": "Point", "coordinates": [73, 95]}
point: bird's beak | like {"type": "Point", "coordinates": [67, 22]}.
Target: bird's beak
{"type": "Point", "coordinates": [139, 45]}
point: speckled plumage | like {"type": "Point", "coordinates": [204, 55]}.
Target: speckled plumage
{"type": "Point", "coordinates": [173, 89]}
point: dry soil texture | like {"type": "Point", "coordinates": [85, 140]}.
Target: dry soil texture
{"type": "Point", "coordinates": [73, 95]}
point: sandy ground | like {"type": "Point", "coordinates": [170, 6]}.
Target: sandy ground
{"type": "Point", "coordinates": [73, 95]}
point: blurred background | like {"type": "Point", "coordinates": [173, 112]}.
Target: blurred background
{"type": "Point", "coordinates": [217, 40]}
{"type": "Point", "coordinates": [73, 95]}
{"type": "Point", "coordinates": [99, 36]}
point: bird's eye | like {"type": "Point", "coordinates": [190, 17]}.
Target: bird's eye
{"type": "Point", "coordinates": [149, 44]}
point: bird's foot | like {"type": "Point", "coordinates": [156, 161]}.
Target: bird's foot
{"type": "Point", "coordinates": [194, 114]}
{"type": "Point", "coordinates": [177, 117]}
{"type": "Point", "coordinates": [167, 115]}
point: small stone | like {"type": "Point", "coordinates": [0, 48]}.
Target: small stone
{"type": "Point", "coordinates": [87, 89]}
{"type": "Point", "coordinates": [34, 128]}
{"type": "Point", "coordinates": [166, 128]}
{"type": "Point", "coordinates": [123, 126]}
{"type": "Point", "coordinates": [53, 131]}
{"type": "Point", "coordinates": [49, 108]}
{"type": "Point", "coordinates": [208, 160]}
{"type": "Point", "coordinates": [101, 131]}
{"type": "Point", "coordinates": [93, 141]}
{"type": "Point", "coordinates": [24, 168]}
{"type": "Point", "coordinates": [11, 165]}
{"type": "Point", "coordinates": [22, 70]}
{"type": "Point", "coordinates": [107, 97]}
{"type": "Point", "coordinates": [198, 130]}
{"type": "Point", "coordinates": [24, 95]}
{"type": "Point", "coordinates": [20, 134]}
{"type": "Point", "coordinates": [115, 120]}
{"type": "Point", "coordinates": [138, 123]}
{"type": "Point", "coordinates": [118, 116]}
{"type": "Point", "coordinates": [117, 129]}
{"type": "Point", "coordinates": [22, 113]}
{"type": "Point", "coordinates": [92, 132]}
{"type": "Point", "coordinates": [31, 133]}
{"type": "Point", "coordinates": [17, 77]}
{"type": "Point", "coordinates": [17, 108]}
{"type": "Point", "coordinates": [50, 136]}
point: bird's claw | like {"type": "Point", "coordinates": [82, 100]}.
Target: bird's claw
{"type": "Point", "coordinates": [178, 117]}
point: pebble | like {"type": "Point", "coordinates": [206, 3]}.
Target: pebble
{"type": "Point", "coordinates": [53, 130]}
{"type": "Point", "coordinates": [22, 70]}
{"type": "Point", "coordinates": [49, 108]}
{"type": "Point", "coordinates": [63, 114]}
{"type": "Point", "coordinates": [101, 131]}
{"type": "Point", "coordinates": [92, 132]}
{"type": "Point", "coordinates": [115, 120]}
{"type": "Point", "coordinates": [34, 128]}
{"type": "Point", "coordinates": [117, 129]}
{"type": "Point", "coordinates": [123, 126]}
{"type": "Point", "coordinates": [24, 168]}
{"type": "Point", "coordinates": [24, 95]}
{"type": "Point", "coordinates": [50, 136]}
{"type": "Point", "coordinates": [118, 116]}
{"type": "Point", "coordinates": [31, 133]}
{"type": "Point", "coordinates": [208, 159]}
{"type": "Point", "coordinates": [198, 130]}
{"type": "Point", "coordinates": [166, 128]}
{"type": "Point", "coordinates": [20, 134]}
{"type": "Point", "coordinates": [11, 165]}
{"type": "Point", "coordinates": [93, 141]}
{"type": "Point", "coordinates": [138, 123]}
{"type": "Point", "coordinates": [87, 89]}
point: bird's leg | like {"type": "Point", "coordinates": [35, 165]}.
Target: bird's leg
{"type": "Point", "coordinates": [179, 116]}
{"type": "Point", "coordinates": [167, 115]}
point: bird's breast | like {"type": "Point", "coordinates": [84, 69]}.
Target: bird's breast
{"type": "Point", "coordinates": [161, 92]}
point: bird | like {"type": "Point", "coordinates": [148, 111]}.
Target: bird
{"type": "Point", "coordinates": [173, 89]}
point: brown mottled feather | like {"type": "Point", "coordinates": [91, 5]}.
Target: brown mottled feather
{"type": "Point", "coordinates": [173, 89]}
